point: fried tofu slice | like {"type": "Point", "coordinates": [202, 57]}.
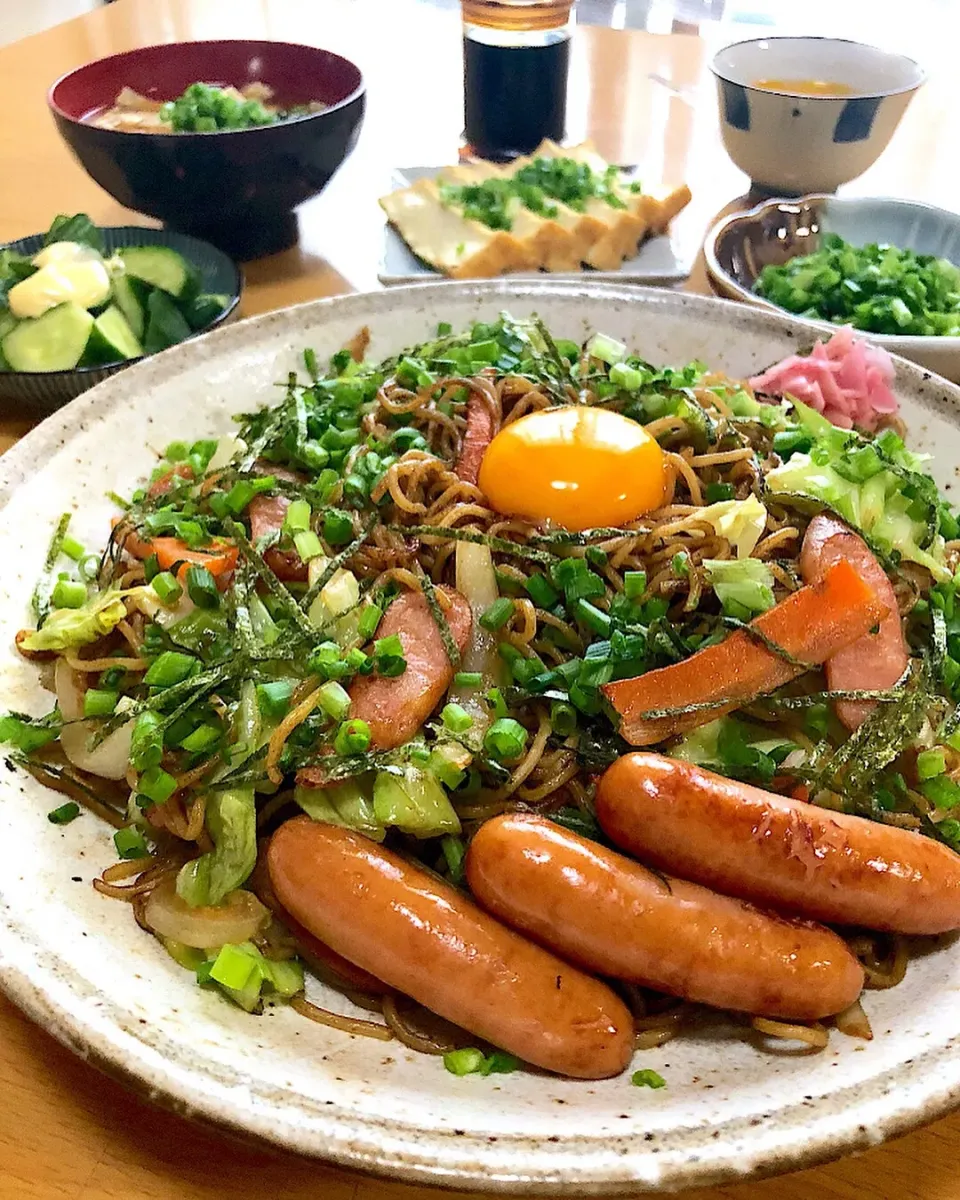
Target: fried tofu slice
{"type": "Point", "coordinates": [447, 240]}
{"type": "Point", "coordinates": [553, 240]}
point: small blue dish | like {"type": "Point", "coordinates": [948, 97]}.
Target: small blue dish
{"type": "Point", "coordinates": [38, 394]}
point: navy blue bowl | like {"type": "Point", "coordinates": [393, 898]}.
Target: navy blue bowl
{"type": "Point", "coordinates": [235, 188]}
{"type": "Point", "coordinates": [36, 394]}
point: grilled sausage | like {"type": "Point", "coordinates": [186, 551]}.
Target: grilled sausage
{"type": "Point", "coordinates": [794, 856]}
{"type": "Point", "coordinates": [481, 426]}
{"type": "Point", "coordinates": [876, 660]}
{"type": "Point", "coordinates": [267, 514]}
{"type": "Point", "coordinates": [425, 939]}
{"type": "Point", "coordinates": [396, 708]}
{"type": "Point", "coordinates": [613, 916]}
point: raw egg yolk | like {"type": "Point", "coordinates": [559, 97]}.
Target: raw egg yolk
{"type": "Point", "coordinates": [578, 467]}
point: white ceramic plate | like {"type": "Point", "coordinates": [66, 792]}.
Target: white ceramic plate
{"type": "Point", "coordinates": [78, 964]}
{"type": "Point", "coordinates": [658, 260]}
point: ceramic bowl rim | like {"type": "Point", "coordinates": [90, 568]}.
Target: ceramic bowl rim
{"type": "Point", "coordinates": [358, 92]}
{"type": "Point", "coordinates": [236, 294]}
{"type": "Point", "coordinates": [912, 341]}
{"type": "Point", "coordinates": [857, 94]}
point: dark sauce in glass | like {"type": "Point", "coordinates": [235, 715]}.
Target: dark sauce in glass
{"type": "Point", "coordinates": [514, 96]}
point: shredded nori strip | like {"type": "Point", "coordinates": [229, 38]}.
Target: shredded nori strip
{"type": "Point", "coordinates": [499, 545]}
{"type": "Point", "coordinates": [44, 589]}
{"type": "Point", "coordinates": [443, 626]}
{"type": "Point", "coordinates": [768, 643]}
{"type": "Point", "coordinates": [281, 594]}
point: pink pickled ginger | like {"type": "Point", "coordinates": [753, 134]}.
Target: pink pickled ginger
{"type": "Point", "coordinates": [846, 379]}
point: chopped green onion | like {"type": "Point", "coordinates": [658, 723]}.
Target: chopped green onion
{"type": "Point", "coordinates": [505, 739]}
{"type": "Point", "coordinates": [337, 527]}
{"type": "Point", "coordinates": [167, 588]}
{"type": "Point", "coordinates": [715, 492]}
{"type": "Point", "coordinates": [594, 618]}
{"type": "Point", "coordinates": [628, 378]}
{"type": "Point", "coordinates": [334, 700]}
{"type": "Point", "coordinates": [171, 667]}
{"type": "Point", "coordinates": [146, 744]}
{"type": "Point", "coordinates": [498, 614]}
{"type": "Point", "coordinates": [467, 679]}
{"type": "Point", "coordinates": [297, 518]}
{"type": "Point", "coordinates": [308, 545]}
{"type": "Point", "coordinates": [930, 763]}
{"type": "Point", "coordinates": [233, 967]}
{"type": "Point", "coordinates": [353, 737]}
{"type": "Point", "coordinates": [130, 842]}
{"type": "Point", "coordinates": [389, 656]}
{"type": "Point", "coordinates": [356, 660]}
{"type": "Point", "coordinates": [370, 617]}
{"type": "Point", "coordinates": [500, 1063]}
{"type": "Point", "coordinates": [648, 1078]}
{"type": "Point", "coordinates": [72, 548]}
{"type": "Point", "coordinates": [202, 587]}
{"type": "Point", "coordinates": [941, 791]}
{"type": "Point", "coordinates": [541, 591]}
{"type": "Point", "coordinates": [273, 698]}
{"type": "Point", "coordinates": [680, 564]}
{"type": "Point", "coordinates": [453, 853]}
{"type": "Point", "coordinates": [64, 814]}
{"type": "Point", "coordinates": [89, 567]}
{"type": "Point", "coordinates": [176, 452]}
{"type": "Point", "coordinates": [634, 584]}
{"type": "Point", "coordinates": [157, 785]}
{"type": "Point", "coordinates": [151, 567]}
{"type": "Point", "coordinates": [563, 718]}
{"type": "Point", "coordinates": [606, 348]}
{"type": "Point", "coordinates": [69, 593]}
{"type": "Point", "coordinates": [456, 718]}
{"type": "Point", "coordinates": [202, 739]}
{"type": "Point", "coordinates": [463, 1062]}
{"type": "Point", "coordinates": [99, 703]}
{"type": "Point", "coordinates": [497, 703]}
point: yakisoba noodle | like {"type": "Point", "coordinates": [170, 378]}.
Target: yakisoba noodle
{"type": "Point", "coordinates": [387, 506]}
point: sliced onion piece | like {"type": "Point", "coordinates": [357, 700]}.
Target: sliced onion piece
{"type": "Point", "coordinates": [238, 919]}
{"type": "Point", "coordinates": [112, 757]}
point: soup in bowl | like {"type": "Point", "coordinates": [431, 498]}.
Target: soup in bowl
{"type": "Point", "coordinates": [807, 114]}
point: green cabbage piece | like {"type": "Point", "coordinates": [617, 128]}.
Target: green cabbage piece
{"type": "Point", "coordinates": [67, 628]}
{"type": "Point", "coordinates": [232, 823]}
{"type": "Point", "coordinates": [348, 804]}
{"type": "Point", "coordinates": [744, 586]}
{"type": "Point", "coordinates": [734, 749]}
{"type": "Point", "coordinates": [877, 486]}
{"type": "Point", "coordinates": [414, 802]}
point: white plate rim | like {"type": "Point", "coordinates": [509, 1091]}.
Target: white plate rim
{"type": "Point", "coordinates": [926, 1086]}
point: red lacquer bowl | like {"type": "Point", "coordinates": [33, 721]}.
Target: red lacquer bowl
{"type": "Point", "coordinates": [235, 188]}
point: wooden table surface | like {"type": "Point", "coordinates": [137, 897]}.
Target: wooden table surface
{"type": "Point", "coordinates": [66, 1131]}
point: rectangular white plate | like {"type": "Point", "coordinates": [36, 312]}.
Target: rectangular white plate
{"type": "Point", "coordinates": [659, 259]}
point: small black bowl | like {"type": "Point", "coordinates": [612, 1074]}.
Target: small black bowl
{"type": "Point", "coordinates": [235, 188]}
{"type": "Point", "coordinates": [38, 393]}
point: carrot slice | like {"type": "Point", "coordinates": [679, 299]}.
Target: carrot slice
{"type": "Point", "coordinates": [219, 561]}
{"type": "Point", "coordinates": [811, 625]}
